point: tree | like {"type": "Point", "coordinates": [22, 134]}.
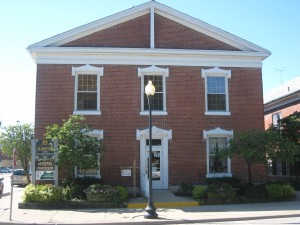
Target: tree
{"type": "Point", "coordinates": [76, 148]}
{"type": "Point", "coordinates": [287, 147]}
{"type": "Point", "coordinates": [250, 145]}
{"type": "Point", "coordinates": [18, 137]}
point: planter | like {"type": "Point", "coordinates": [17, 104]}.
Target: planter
{"type": "Point", "coordinates": [91, 197]}
{"type": "Point", "coordinates": [222, 195]}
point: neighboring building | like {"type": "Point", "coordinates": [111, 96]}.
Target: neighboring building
{"type": "Point", "coordinates": [279, 103]}
{"type": "Point", "coordinates": [208, 85]}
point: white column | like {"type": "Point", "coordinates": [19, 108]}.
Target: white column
{"type": "Point", "coordinates": [152, 28]}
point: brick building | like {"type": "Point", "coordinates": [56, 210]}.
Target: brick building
{"type": "Point", "coordinates": [279, 103]}
{"type": "Point", "coordinates": [208, 85]}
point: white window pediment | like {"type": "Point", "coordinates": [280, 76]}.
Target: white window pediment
{"type": "Point", "coordinates": [153, 70]}
{"type": "Point", "coordinates": [217, 132]}
{"type": "Point", "coordinates": [87, 69]}
{"type": "Point", "coordinates": [156, 133]}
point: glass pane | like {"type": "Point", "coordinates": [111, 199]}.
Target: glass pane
{"type": "Point", "coordinates": [216, 85]}
{"type": "Point", "coordinates": [156, 142]}
{"type": "Point", "coordinates": [157, 99]}
{"type": "Point", "coordinates": [87, 101]}
{"type": "Point", "coordinates": [88, 172]}
{"type": "Point", "coordinates": [155, 165]}
{"type": "Point", "coordinates": [216, 163]}
{"type": "Point", "coordinates": [87, 82]}
{"type": "Point", "coordinates": [216, 102]}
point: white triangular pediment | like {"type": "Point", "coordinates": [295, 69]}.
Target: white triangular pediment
{"type": "Point", "coordinates": [156, 133]}
{"type": "Point", "coordinates": [217, 132]}
{"type": "Point", "coordinates": [141, 10]}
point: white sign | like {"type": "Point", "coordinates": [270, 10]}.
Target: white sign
{"type": "Point", "coordinates": [126, 172]}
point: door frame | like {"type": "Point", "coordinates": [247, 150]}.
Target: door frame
{"type": "Point", "coordinates": [165, 136]}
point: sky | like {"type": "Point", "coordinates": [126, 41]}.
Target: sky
{"type": "Point", "coordinates": [271, 24]}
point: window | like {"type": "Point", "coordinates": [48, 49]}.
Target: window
{"type": "Point", "coordinates": [87, 90]}
{"type": "Point", "coordinates": [275, 118]}
{"type": "Point", "coordinates": [91, 171]}
{"type": "Point", "coordinates": [216, 91]}
{"type": "Point", "coordinates": [279, 168]}
{"type": "Point", "coordinates": [158, 77]}
{"type": "Point", "coordinates": [216, 140]}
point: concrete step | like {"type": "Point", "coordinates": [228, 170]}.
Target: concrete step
{"type": "Point", "coordinates": [162, 199]}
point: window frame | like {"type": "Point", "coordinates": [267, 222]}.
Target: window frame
{"type": "Point", "coordinates": [217, 72]}
{"type": "Point", "coordinates": [99, 135]}
{"type": "Point", "coordinates": [217, 133]}
{"type": "Point", "coordinates": [154, 71]}
{"type": "Point", "coordinates": [87, 70]}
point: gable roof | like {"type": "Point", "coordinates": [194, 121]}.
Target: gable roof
{"type": "Point", "coordinates": [248, 49]}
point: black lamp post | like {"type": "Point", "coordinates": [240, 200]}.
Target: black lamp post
{"type": "Point", "coordinates": [150, 209]}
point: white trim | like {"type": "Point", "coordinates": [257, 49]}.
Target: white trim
{"type": "Point", "coordinates": [87, 70]}
{"type": "Point", "coordinates": [154, 113]}
{"type": "Point", "coordinates": [217, 72]}
{"type": "Point", "coordinates": [95, 133]}
{"type": "Point", "coordinates": [216, 133]}
{"type": "Point", "coordinates": [156, 71]}
{"type": "Point", "coordinates": [152, 29]}
{"type": "Point", "coordinates": [139, 56]}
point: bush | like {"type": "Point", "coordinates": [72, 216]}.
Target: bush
{"type": "Point", "coordinates": [44, 193]}
{"type": "Point", "coordinates": [185, 189]}
{"type": "Point", "coordinates": [199, 192]}
{"type": "Point", "coordinates": [255, 191]}
{"type": "Point", "coordinates": [279, 191]}
{"type": "Point", "coordinates": [223, 180]}
{"type": "Point", "coordinates": [77, 185]}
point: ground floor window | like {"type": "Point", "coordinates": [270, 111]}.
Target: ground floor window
{"type": "Point", "coordinates": [280, 168]}
{"type": "Point", "coordinates": [217, 140]}
{"type": "Point", "coordinates": [216, 163]}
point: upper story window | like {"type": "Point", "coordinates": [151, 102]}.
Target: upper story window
{"type": "Point", "coordinates": [158, 77]}
{"type": "Point", "coordinates": [216, 91]}
{"type": "Point", "coordinates": [87, 90]}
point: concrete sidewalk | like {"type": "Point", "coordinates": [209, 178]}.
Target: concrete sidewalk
{"type": "Point", "coordinates": [184, 215]}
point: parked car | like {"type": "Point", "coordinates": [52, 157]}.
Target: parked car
{"type": "Point", "coordinates": [1, 186]}
{"type": "Point", "coordinates": [20, 177]}
{"type": "Point", "coordinates": [5, 170]}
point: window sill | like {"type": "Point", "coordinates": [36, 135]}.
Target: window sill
{"type": "Point", "coordinates": [214, 175]}
{"type": "Point", "coordinates": [86, 112]}
{"type": "Point", "coordinates": [217, 113]}
{"type": "Point", "coordinates": [154, 113]}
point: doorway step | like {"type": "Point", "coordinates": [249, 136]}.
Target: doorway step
{"type": "Point", "coordinates": [162, 199]}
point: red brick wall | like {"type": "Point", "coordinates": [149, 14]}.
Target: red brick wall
{"type": "Point", "coordinates": [285, 111]}
{"type": "Point", "coordinates": [120, 108]}
{"type": "Point", "coordinates": [135, 33]}
{"type": "Point", "coordinates": [170, 34]}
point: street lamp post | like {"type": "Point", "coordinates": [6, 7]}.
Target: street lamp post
{"type": "Point", "coordinates": [150, 209]}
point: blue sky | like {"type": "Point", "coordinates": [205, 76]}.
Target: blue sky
{"type": "Point", "coordinates": [273, 25]}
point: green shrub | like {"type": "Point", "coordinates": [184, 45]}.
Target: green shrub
{"type": "Point", "coordinates": [255, 191]}
{"type": "Point", "coordinates": [199, 192]}
{"type": "Point", "coordinates": [278, 191]}
{"type": "Point", "coordinates": [223, 180]}
{"type": "Point", "coordinates": [185, 189]}
{"type": "Point", "coordinates": [43, 193]}
{"type": "Point", "coordinates": [122, 192]}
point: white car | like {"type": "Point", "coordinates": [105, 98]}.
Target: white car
{"type": "Point", "coordinates": [20, 177]}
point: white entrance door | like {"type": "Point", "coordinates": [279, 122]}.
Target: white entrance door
{"type": "Point", "coordinates": [157, 167]}
{"type": "Point", "coordinates": [160, 175]}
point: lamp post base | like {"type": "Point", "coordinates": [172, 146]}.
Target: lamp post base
{"type": "Point", "coordinates": [150, 209]}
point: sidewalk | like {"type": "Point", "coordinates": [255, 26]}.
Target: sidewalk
{"type": "Point", "coordinates": [185, 215]}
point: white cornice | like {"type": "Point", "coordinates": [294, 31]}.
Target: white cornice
{"type": "Point", "coordinates": [138, 56]}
